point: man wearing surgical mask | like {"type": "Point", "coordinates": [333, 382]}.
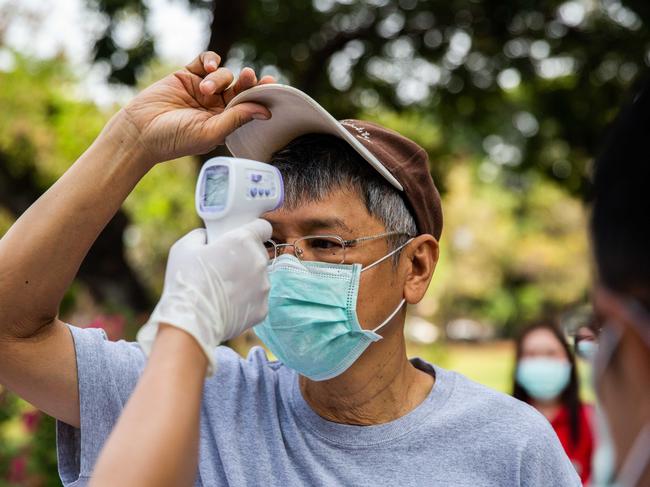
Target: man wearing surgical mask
{"type": "Point", "coordinates": [355, 242]}
{"type": "Point", "coordinates": [621, 243]}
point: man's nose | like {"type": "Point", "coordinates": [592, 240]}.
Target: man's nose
{"type": "Point", "coordinates": [283, 248]}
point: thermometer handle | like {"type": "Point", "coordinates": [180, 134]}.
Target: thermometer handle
{"type": "Point", "coordinates": [232, 192]}
{"type": "Point", "coordinates": [217, 228]}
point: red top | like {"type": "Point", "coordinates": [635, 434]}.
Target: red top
{"type": "Point", "coordinates": [579, 453]}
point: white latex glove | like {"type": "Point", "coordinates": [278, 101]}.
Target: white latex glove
{"type": "Point", "coordinates": [213, 291]}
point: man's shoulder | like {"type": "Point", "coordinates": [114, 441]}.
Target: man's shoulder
{"type": "Point", "coordinates": [253, 384]}
{"type": "Point", "coordinates": [256, 359]}
{"type": "Point", "coordinates": [96, 353]}
{"type": "Point", "coordinates": [512, 433]}
{"type": "Point", "coordinates": [482, 405]}
{"type": "Point", "coordinates": [255, 367]}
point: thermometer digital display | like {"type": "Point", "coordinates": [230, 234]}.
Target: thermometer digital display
{"type": "Point", "coordinates": [231, 192]}
{"type": "Point", "coordinates": [215, 194]}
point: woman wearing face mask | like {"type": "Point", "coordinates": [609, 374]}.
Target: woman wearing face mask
{"type": "Point", "coordinates": [545, 377]}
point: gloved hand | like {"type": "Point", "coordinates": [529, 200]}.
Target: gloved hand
{"type": "Point", "coordinates": [213, 291]}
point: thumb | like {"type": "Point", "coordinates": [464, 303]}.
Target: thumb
{"type": "Point", "coordinates": [260, 229]}
{"type": "Point", "coordinates": [232, 118]}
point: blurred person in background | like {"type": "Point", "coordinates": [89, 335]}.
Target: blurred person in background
{"type": "Point", "coordinates": [585, 341]}
{"type": "Point", "coordinates": [546, 378]}
{"type": "Point", "coordinates": [580, 325]}
{"type": "Point", "coordinates": [620, 231]}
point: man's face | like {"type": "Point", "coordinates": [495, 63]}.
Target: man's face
{"type": "Point", "coordinates": [343, 213]}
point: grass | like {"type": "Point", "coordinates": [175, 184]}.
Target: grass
{"type": "Point", "coordinates": [490, 364]}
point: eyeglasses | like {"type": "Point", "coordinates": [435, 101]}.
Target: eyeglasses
{"type": "Point", "coordinates": [582, 328]}
{"type": "Point", "coordinates": [321, 248]}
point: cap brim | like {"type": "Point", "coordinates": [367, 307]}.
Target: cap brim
{"type": "Point", "coordinates": [293, 114]}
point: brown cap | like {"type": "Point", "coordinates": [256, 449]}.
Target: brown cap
{"type": "Point", "coordinates": [402, 162]}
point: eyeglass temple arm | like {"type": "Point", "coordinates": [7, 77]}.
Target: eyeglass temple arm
{"type": "Point", "coordinates": [372, 237]}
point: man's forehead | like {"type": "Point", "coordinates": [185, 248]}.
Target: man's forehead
{"type": "Point", "coordinates": [338, 214]}
{"type": "Point", "coordinates": [287, 221]}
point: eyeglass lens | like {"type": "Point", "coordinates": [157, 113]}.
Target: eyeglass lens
{"type": "Point", "coordinates": [329, 249]}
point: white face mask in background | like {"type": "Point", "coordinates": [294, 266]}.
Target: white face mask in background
{"type": "Point", "coordinates": [543, 378]}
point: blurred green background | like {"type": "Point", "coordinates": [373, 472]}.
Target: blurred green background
{"type": "Point", "coordinates": [510, 98]}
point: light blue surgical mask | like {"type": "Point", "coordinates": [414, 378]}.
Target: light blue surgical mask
{"type": "Point", "coordinates": [312, 324]}
{"type": "Point", "coordinates": [543, 378]}
{"type": "Point", "coordinates": [586, 349]}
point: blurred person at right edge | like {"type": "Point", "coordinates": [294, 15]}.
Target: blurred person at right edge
{"type": "Point", "coordinates": [545, 376]}
{"type": "Point", "coordinates": [620, 231]}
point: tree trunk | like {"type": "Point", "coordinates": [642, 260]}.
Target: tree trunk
{"type": "Point", "coordinates": [227, 18]}
{"type": "Point", "coordinates": [105, 270]}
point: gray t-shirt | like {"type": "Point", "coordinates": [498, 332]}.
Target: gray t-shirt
{"type": "Point", "coordinates": [256, 429]}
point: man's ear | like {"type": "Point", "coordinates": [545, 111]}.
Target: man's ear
{"type": "Point", "coordinates": [421, 257]}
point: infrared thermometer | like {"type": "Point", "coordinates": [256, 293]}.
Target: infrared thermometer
{"type": "Point", "coordinates": [231, 192]}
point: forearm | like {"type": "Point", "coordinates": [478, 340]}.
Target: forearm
{"type": "Point", "coordinates": [42, 252]}
{"type": "Point", "coordinates": [155, 442]}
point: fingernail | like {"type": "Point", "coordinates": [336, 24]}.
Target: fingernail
{"type": "Point", "coordinates": [212, 64]}
{"type": "Point", "coordinates": [260, 116]}
{"type": "Point", "coordinates": [210, 85]}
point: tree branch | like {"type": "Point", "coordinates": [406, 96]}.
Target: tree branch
{"type": "Point", "coordinates": [227, 19]}
{"type": "Point", "coordinates": [314, 72]}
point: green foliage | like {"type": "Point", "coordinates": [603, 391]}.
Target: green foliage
{"type": "Point", "coordinates": [42, 458]}
{"type": "Point", "coordinates": [27, 445]}
{"type": "Point", "coordinates": [41, 122]}
{"type": "Point", "coordinates": [545, 77]}
{"type": "Point", "coordinates": [6, 220]}
{"type": "Point", "coordinates": [125, 61]}
{"type": "Point", "coordinates": [7, 451]}
{"type": "Point", "coordinates": [161, 209]}
{"type": "Point", "coordinates": [508, 256]}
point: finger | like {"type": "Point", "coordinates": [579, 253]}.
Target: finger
{"type": "Point", "coordinates": [266, 80]}
{"type": "Point", "coordinates": [204, 63]}
{"type": "Point", "coordinates": [217, 82]}
{"type": "Point", "coordinates": [260, 229]}
{"type": "Point", "coordinates": [222, 125]}
{"type": "Point", "coordinates": [247, 79]}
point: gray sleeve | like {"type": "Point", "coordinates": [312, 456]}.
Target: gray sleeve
{"type": "Point", "coordinates": [107, 374]}
{"type": "Point", "coordinates": [544, 461]}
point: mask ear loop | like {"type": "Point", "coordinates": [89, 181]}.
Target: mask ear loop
{"type": "Point", "coordinates": [401, 303]}
{"type": "Point", "coordinates": [392, 315]}
{"type": "Point", "coordinates": [390, 254]}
